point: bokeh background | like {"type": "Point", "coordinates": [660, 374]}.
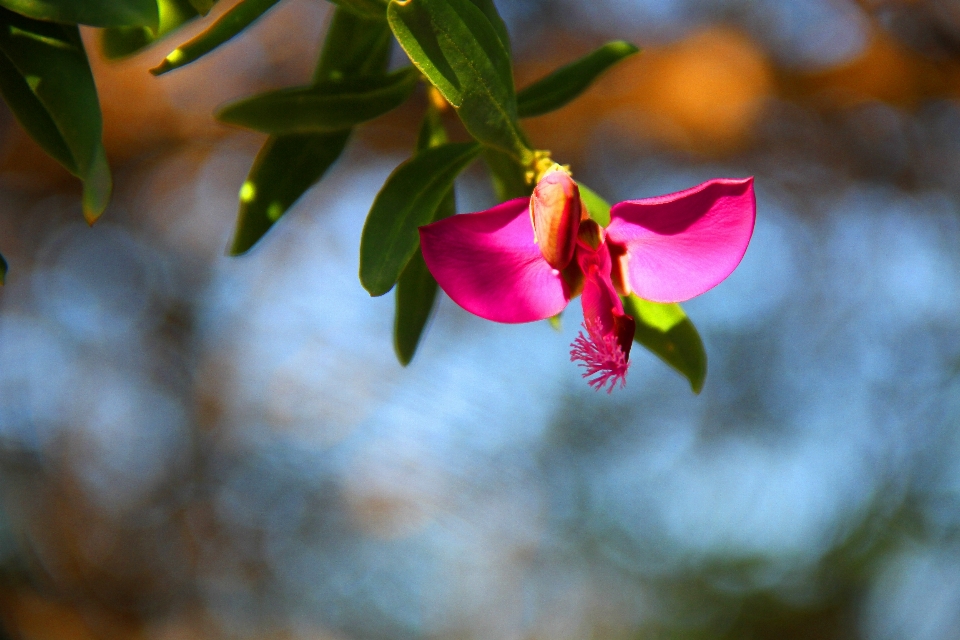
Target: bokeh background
{"type": "Point", "coordinates": [196, 446]}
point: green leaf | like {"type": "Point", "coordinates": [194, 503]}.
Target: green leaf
{"type": "Point", "coordinates": [508, 175]}
{"type": "Point", "coordinates": [597, 207]}
{"type": "Point", "coordinates": [493, 16]}
{"type": "Point", "coordinates": [324, 107]}
{"type": "Point", "coordinates": [238, 18]}
{"type": "Point", "coordinates": [365, 8]}
{"type": "Point", "coordinates": [408, 199]}
{"type": "Point", "coordinates": [119, 42]}
{"type": "Point", "coordinates": [98, 13]}
{"type": "Point", "coordinates": [568, 82]}
{"type": "Point", "coordinates": [666, 331]}
{"type": "Point", "coordinates": [354, 47]}
{"type": "Point", "coordinates": [287, 166]}
{"type": "Point", "coordinates": [3, 269]}
{"type": "Point", "coordinates": [416, 297]}
{"type": "Point", "coordinates": [416, 290]}
{"type": "Point", "coordinates": [46, 80]}
{"type": "Point", "coordinates": [456, 47]}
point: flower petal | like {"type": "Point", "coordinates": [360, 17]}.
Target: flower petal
{"type": "Point", "coordinates": [488, 263]}
{"type": "Point", "coordinates": [682, 244]}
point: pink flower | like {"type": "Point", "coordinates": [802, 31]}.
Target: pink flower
{"type": "Point", "coordinates": [524, 260]}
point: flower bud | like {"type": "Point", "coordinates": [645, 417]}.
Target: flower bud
{"type": "Point", "coordinates": [590, 234]}
{"type": "Point", "coordinates": [555, 213]}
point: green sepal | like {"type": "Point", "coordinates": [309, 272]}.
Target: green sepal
{"type": "Point", "coordinates": [409, 198]}
{"type": "Point", "coordinates": [287, 166]}
{"type": "Point", "coordinates": [667, 332]}
{"type": "Point", "coordinates": [597, 207]}
{"type": "Point", "coordinates": [323, 107]}
{"type": "Point", "coordinates": [416, 290]}
{"type": "Point", "coordinates": [120, 42]}
{"type": "Point", "coordinates": [456, 47]}
{"type": "Point", "coordinates": [568, 82]}
{"type": "Point", "coordinates": [238, 18]}
{"type": "Point", "coordinates": [45, 79]}
{"type": "Point", "coordinates": [97, 13]}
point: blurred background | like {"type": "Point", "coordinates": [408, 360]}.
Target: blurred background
{"type": "Point", "coordinates": [196, 446]}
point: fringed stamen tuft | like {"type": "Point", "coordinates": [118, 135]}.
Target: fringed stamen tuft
{"type": "Point", "coordinates": [602, 358]}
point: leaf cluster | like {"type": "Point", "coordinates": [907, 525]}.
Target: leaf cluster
{"type": "Point", "coordinates": [459, 52]}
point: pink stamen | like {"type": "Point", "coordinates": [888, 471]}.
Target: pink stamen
{"type": "Point", "coordinates": [601, 355]}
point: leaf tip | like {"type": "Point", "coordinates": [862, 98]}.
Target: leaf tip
{"type": "Point", "coordinates": [625, 48]}
{"type": "Point", "coordinates": [173, 60]}
{"type": "Point", "coordinates": [91, 215]}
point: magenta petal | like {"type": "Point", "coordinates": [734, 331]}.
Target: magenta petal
{"type": "Point", "coordinates": [682, 244]}
{"type": "Point", "coordinates": [489, 264]}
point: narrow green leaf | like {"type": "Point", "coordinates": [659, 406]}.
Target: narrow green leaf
{"type": "Point", "coordinates": [597, 207]}
{"type": "Point", "coordinates": [323, 107]}
{"type": "Point", "coordinates": [416, 298]}
{"type": "Point", "coordinates": [416, 290]}
{"type": "Point", "coordinates": [3, 269]}
{"type": "Point", "coordinates": [365, 8]}
{"type": "Point", "coordinates": [98, 13]}
{"type": "Point", "coordinates": [238, 18]}
{"type": "Point", "coordinates": [568, 82]}
{"type": "Point", "coordinates": [508, 175]}
{"type": "Point", "coordinates": [493, 16]}
{"type": "Point", "coordinates": [285, 168]}
{"type": "Point", "coordinates": [354, 47]}
{"type": "Point", "coordinates": [667, 332]}
{"type": "Point", "coordinates": [288, 165]}
{"type": "Point", "coordinates": [408, 199]}
{"type": "Point", "coordinates": [32, 115]}
{"type": "Point", "coordinates": [46, 80]}
{"type": "Point", "coordinates": [456, 47]}
{"type": "Point", "coordinates": [119, 42]}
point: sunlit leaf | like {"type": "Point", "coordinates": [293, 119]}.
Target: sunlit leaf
{"type": "Point", "coordinates": [666, 331]}
{"type": "Point", "coordinates": [287, 166]}
{"type": "Point", "coordinates": [568, 82]}
{"type": "Point", "coordinates": [46, 80]}
{"type": "Point", "coordinates": [457, 48]}
{"type": "Point", "coordinates": [408, 199]}
{"type": "Point", "coordinates": [118, 42]}
{"type": "Point", "coordinates": [365, 8]}
{"type": "Point", "coordinates": [508, 175]}
{"type": "Point", "coordinates": [238, 18]}
{"type": "Point", "coordinates": [597, 207]}
{"type": "Point", "coordinates": [98, 13]}
{"type": "Point", "coordinates": [323, 107]}
{"type": "Point", "coordinates": [416, 290]}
